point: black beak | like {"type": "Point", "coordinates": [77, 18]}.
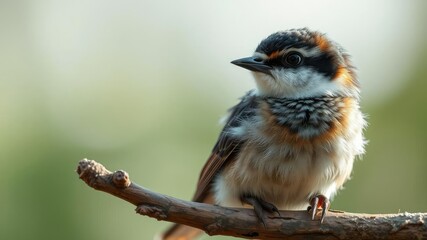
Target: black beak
{"type": "Point", "coordinates": [254, 64]}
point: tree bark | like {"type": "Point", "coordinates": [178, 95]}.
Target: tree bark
{"type": "Point", "coordinates": [243, 223]}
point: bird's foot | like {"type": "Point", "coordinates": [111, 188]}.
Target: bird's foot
{"type": "Point", "coordinates": [260, 206]}
{"type": "Point", "coordinates": [317, 202]}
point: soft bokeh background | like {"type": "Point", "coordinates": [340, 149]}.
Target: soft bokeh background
{"type": "Point", "coordinates": [140, 85]}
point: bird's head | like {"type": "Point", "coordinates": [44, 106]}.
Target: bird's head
{"type": "Point", "coordinates": [300, 63]}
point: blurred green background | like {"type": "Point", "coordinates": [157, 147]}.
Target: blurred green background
{"type": "Point", "coordinates": [140, 86]}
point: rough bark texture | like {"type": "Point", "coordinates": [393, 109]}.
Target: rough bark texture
{"type": "Point", "coordinates": [239, 222]}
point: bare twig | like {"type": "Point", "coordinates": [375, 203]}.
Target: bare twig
{"type": "Point", "coordinates": [239, 222]}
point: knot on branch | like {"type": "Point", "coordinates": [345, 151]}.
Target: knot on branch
{"type": "Point", "coordinates": [89, 171]}
{"type": "Point", "coordinates": [213, 229]}
{"type": "Point", "coordinates": [151, 211]}
{"type": "Point", "coordinates": [121, 179]}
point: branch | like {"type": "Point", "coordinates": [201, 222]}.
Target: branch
{"type": "Point", "coordinates": [240, 222]}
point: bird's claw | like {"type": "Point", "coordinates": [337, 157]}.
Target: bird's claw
{"type": "Point", "coordinates": [319, 201]}
{"type": "Point", "coordinates": [260, 206]}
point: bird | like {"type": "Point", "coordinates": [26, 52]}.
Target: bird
{"type": "Point", "coordinates": [291, 142]}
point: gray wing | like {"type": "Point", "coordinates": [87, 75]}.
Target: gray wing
{"type": "Point", "coordinates": [227, 146]}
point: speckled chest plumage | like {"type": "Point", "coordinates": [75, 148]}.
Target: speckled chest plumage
{"type": "Point", "coordinates": [307, 117]}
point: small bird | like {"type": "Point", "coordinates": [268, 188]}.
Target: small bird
{"type": "Point", "coordinates": [290, 143]}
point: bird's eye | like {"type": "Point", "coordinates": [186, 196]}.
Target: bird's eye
{"type": "Point", "coordinates": [293, 59]}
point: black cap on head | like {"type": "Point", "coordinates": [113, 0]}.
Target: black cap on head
{"type": "Point", "coordinates": [284, 39]}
